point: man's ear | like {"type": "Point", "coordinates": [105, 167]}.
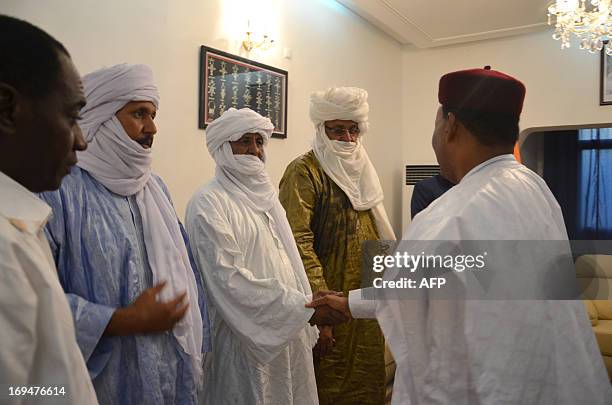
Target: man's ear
{"type": "Point", "coordinates": [453, 124]}
{"type": "Point", "coordinates": [8, 108]}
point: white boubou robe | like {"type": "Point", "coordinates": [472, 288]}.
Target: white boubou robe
{"type": "Point", "coordinates": [261, 340]}
{"type": "Point", "coordinates": [491, 352]}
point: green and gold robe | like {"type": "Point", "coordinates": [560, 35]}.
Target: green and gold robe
{"type": "Point", "coordinates": [329, 234]}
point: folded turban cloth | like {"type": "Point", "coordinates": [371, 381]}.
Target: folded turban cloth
{"type": "Point", "coordinates": [482, 90]}
{"type": "Point", "coordinates": [340, 103]}
{"type": "Point", "coordinates": [107, 90]}
{"type": "Point", "coordinates": [232, 124]}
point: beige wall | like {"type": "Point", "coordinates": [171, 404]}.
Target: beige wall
{"type": "Point", "coordinates": [562, 87]}
{"type": "Point", "coordinates": [330, 46]}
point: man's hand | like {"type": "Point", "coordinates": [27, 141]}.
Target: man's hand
{"type": "Point", "coordinates": [337, 303]}
{"type": "Point", "coordinates": [325, 316]}
{"type": "Point", "coordinates": [325, 343]}
{"type": "Point", "coordinates": [323, 293]}
{"type": "Point", "coordinates": [148, 315]}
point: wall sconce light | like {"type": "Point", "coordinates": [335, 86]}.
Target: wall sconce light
{"type": "Point", "coordinates": [250, 43]}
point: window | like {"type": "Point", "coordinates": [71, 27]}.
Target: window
{"type": "Point", "coordinates": [594, 219]}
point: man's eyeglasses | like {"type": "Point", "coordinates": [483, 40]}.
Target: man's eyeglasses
{"type": "Point", "coordinates": [339, 131]}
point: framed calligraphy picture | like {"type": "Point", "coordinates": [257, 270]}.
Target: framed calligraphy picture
{"type": "Point", "coordinates": [605, 78]}
{"type": "Point", "coordinates": [232, 81]}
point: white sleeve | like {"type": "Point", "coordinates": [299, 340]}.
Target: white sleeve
{"type": "Point", "coordinates": [361, 308]}
{"type": "Point", "coordinates": [18, 313]}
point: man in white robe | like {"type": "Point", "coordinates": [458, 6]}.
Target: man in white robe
{"type": "Point", "coordinates": [487, 352]}
{"type": "Point", "coordinates": [40, 98]}
{"type": "Point", "coordinates": [255, 281]}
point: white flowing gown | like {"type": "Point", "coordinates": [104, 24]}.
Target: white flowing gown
{"type": "Point", "coordinates": [261, 340]}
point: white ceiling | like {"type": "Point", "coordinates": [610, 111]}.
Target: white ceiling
{"type": "Point", "coordinates": [430, 23]}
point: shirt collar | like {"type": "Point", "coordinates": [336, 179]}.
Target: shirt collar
{"type": "Point", "coordinates": [21, 207]}
{"type": "Point", "coordinates": [497, 159]}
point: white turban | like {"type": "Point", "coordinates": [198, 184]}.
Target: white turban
{"type": "Point", "coordinates": [244, 176]}
{"type": "Point", "coordinates": [123, 166]}
{"type": "Point", "coordinates": [347, 163]}
{"type": "Point", "coordinates": [232, 124]}
{"type": "Point", "coordinates": [107, 90]}
{"type": "Point", "coordinates": [340, 103]}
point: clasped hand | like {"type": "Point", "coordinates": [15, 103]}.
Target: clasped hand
{"type": "Point", "coordinates": [325, 314]}
{"type": "Point", "coordinates": [330, 308]}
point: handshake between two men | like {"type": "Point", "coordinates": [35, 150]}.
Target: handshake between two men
{"type": "Point", "coordinates": [331, 308]}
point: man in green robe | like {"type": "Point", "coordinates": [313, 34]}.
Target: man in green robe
{"type": "Point", "coordinates": [333, 200]}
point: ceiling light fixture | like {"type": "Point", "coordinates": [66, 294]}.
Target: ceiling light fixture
{"type": "Point", "coordinates": [590, 21]}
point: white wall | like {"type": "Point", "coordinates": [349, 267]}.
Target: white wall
{"type": "Point", "coordinates": [330, 46]}
{"type": "Point", "coordinates": [562, 87]}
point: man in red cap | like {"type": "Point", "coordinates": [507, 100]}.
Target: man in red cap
{"type": "Point", "coordinates": [477, 120]}
{"type": "Point", "coordinates": [472, 351]}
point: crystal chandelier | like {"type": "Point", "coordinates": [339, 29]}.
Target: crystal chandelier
{"type": "Point", "coordinates": [590, 21]}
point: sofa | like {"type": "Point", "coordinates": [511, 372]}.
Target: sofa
{"type": "Point", "coordinates": [594, 274]}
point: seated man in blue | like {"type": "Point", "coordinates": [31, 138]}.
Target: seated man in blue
{"type": "Point", "coordinates": [123, 256]}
